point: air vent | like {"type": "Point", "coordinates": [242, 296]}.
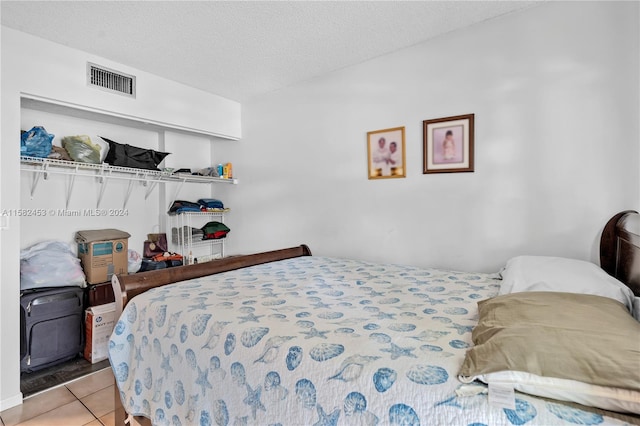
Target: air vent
{"type": "Point", "coordinates": [111, 80]}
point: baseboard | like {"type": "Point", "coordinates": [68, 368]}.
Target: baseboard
{"type": "Point", "coordinates": [15, 400]}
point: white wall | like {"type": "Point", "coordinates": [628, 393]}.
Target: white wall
{"type": "Point", "coordinates": [555, 93]}
{"type": "Point", "coordinates": [61, 80]}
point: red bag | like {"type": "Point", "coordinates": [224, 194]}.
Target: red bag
{"type": "Point", "coordinates": [166, 256]}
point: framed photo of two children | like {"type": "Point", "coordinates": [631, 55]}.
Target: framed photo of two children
{"type": "Point", "coordinates": [448, 144]}
{"type": "Point", "coordinates": [386, 153]}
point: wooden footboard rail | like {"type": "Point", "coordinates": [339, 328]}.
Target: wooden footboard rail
{"type": "Point", "coordinates": [128, 286]}
{"type": "Point", "coordinates": [125, 287]}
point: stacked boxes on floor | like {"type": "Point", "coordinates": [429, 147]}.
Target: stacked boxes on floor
{"type": "Point", "coordinates": [103, 253]}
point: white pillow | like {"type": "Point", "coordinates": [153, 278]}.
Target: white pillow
{"type": "Point", "coordinates": [608, 398]}
{"type": "Point", "coordinates": [542, 273]}
{"type": "Point", "coordinates": [636, 308]}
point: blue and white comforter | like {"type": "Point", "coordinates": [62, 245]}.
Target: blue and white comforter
{"type": "Point", "coordinates": [312, 341]}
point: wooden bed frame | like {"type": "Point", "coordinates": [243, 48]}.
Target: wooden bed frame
{"type": "Point", "coordinates": [619, 256]}
{"type": "Point", "coordinates": [620, 249]}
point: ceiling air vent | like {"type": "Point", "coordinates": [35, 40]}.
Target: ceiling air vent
{"type": "Point", "coordinates": [111, 80]}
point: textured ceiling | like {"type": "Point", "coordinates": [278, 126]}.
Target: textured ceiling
{"type": "Point", "coordinates": [242, 49]}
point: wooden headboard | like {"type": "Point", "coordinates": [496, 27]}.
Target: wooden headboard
{"type": "Point", "coordinates": [620, 248]}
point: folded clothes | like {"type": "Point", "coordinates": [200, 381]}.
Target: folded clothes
{"type": "Point", "coordinates": [215, 230]}
{"type": "Point", "coordinates": [181, 206]}
{"type": "Point", "coordinates": [211, 203]}
{"type": "Point", "coordinates": [196, 234]}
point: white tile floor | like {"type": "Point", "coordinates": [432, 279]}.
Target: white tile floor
{"type": "Point", "coordinates": [85, 401]}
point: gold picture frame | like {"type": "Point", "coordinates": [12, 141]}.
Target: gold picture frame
{"type": "Point", "coordinates": [386, 153]}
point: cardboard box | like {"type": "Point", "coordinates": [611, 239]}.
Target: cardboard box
{"type": "Point", "coordinates": [102, 252]}
{"type": "Point", "coordinates": [99, 322]}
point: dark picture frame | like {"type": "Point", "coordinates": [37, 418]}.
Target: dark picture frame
{"type": "Point", "coordinates": [448, 144]}
{"type": "Point", "coordinates": [386, 153]}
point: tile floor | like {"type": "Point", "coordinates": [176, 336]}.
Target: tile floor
{"type": "Point", "coordinates": [85, 401]}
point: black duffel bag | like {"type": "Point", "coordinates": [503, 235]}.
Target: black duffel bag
{"type": "Point", "coordinates": [124, 155]}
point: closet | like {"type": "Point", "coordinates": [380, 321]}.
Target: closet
{"type": "Point", "coordinates": [45, 83]}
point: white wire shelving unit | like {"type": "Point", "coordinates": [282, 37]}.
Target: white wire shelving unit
{"type": "Point", "coordinates": [44, 167]}
{"type": "Point", "coordinates": [194, 248]}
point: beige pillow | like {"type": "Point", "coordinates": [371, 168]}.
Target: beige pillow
{"type": "Point", "coordinates": [585, 338]}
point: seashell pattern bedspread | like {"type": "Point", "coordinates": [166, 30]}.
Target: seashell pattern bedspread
{"type": "Point", "coordinates": [312, 341]}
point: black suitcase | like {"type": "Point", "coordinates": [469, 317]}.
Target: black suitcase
{"type": "Point", "coordinates": [51, 326]}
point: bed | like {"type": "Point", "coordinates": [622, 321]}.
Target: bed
{"type": "Point", "coordinates": [287, 338]}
